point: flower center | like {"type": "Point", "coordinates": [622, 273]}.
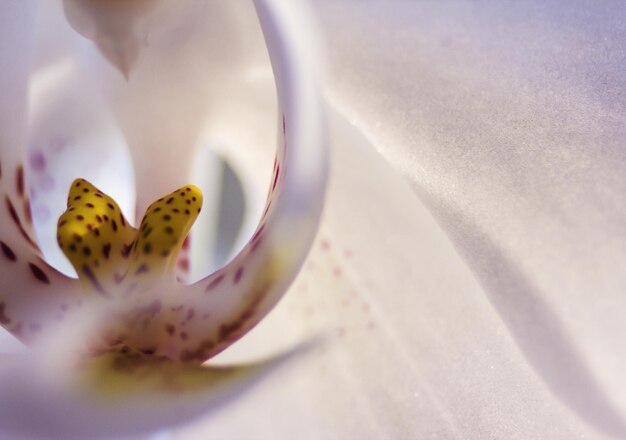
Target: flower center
{"type": "Point", "coordinates": [109, 255]}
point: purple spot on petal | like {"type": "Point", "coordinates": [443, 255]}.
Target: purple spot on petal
{"type": "Point", "coordinates": [37, 161]}
{"type": "Point", "coordinates": [276, 177]}
{"type": "Point", "coordinates": [214, 283]}
{"type": "Point", "coordinates": [238, 275]}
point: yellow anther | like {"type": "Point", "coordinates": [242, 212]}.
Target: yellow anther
{"type": "Point", "coordinates": [94, 235]}
{"type": "Point", "coordinates": [108, 254]}
{"type": "Point", "coordinates": [163, 230]}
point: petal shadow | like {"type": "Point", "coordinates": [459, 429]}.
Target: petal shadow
{"type": "Point", "coordinates": [114, 395]}
{"type": "Point", "coordinates": [533, 325]}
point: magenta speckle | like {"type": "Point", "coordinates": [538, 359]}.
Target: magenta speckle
{"type": "Point", "coordinates": [37, 161]}
{"type": "Point", "coordinates": [238, 275]}
{"type": "Point", "coordinates": [190, 314]}
{"type": "Point", "coordinates": [215, 282]}
{"type": "Point", "coordinates": [258, 233]}
{"type": "Point", "coordinates": [267, 207]}
{"type": "Point", "coordinates": [276, 177]}
{"type": "Point", "coordinates": [183, 264]}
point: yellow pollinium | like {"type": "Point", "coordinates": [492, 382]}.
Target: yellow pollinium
{"type": "Point", "coordinates": [163, 230]}
{"type": "Point", "coordinates": [109, 254]}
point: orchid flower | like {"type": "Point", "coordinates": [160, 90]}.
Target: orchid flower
{"type": "Point", "coordinates": [470, 257]}
{"type": "Point", "coordinates": [120, 348]}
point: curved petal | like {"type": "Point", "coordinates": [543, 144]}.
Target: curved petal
{"type": "Point", "coordinates": [508, 120]}
{"type": "Point", "coordinates": [115, 395]}
{"type": "Point", "coordinates": [116, 27]}
{"type": "Point", "coordinates": [32, 294]}
{"type": "Point", "coordinates": [417, 350]}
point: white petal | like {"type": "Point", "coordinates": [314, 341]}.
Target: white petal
{"type": "Point", "coordinates": [118, 28]}
{"type": "Point", "coordinates": [71, 135]}
{"type": "Point", "coordinates": [417, 349]}
{"type": "Point", "coordinates": [31, 293]}
{"type": "Point", "coordinates": [118, 396]}
{"type": "Point", "coordinates": [508, 121]}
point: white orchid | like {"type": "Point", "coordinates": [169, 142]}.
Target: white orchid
{"type": "Point", "coordinates": [119, 350]}
{"type": "Point", "coordinates": [473, 281]}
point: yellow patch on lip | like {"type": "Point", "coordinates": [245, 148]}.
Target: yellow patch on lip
{"type": "Point", "coordinates": [106, 251]}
